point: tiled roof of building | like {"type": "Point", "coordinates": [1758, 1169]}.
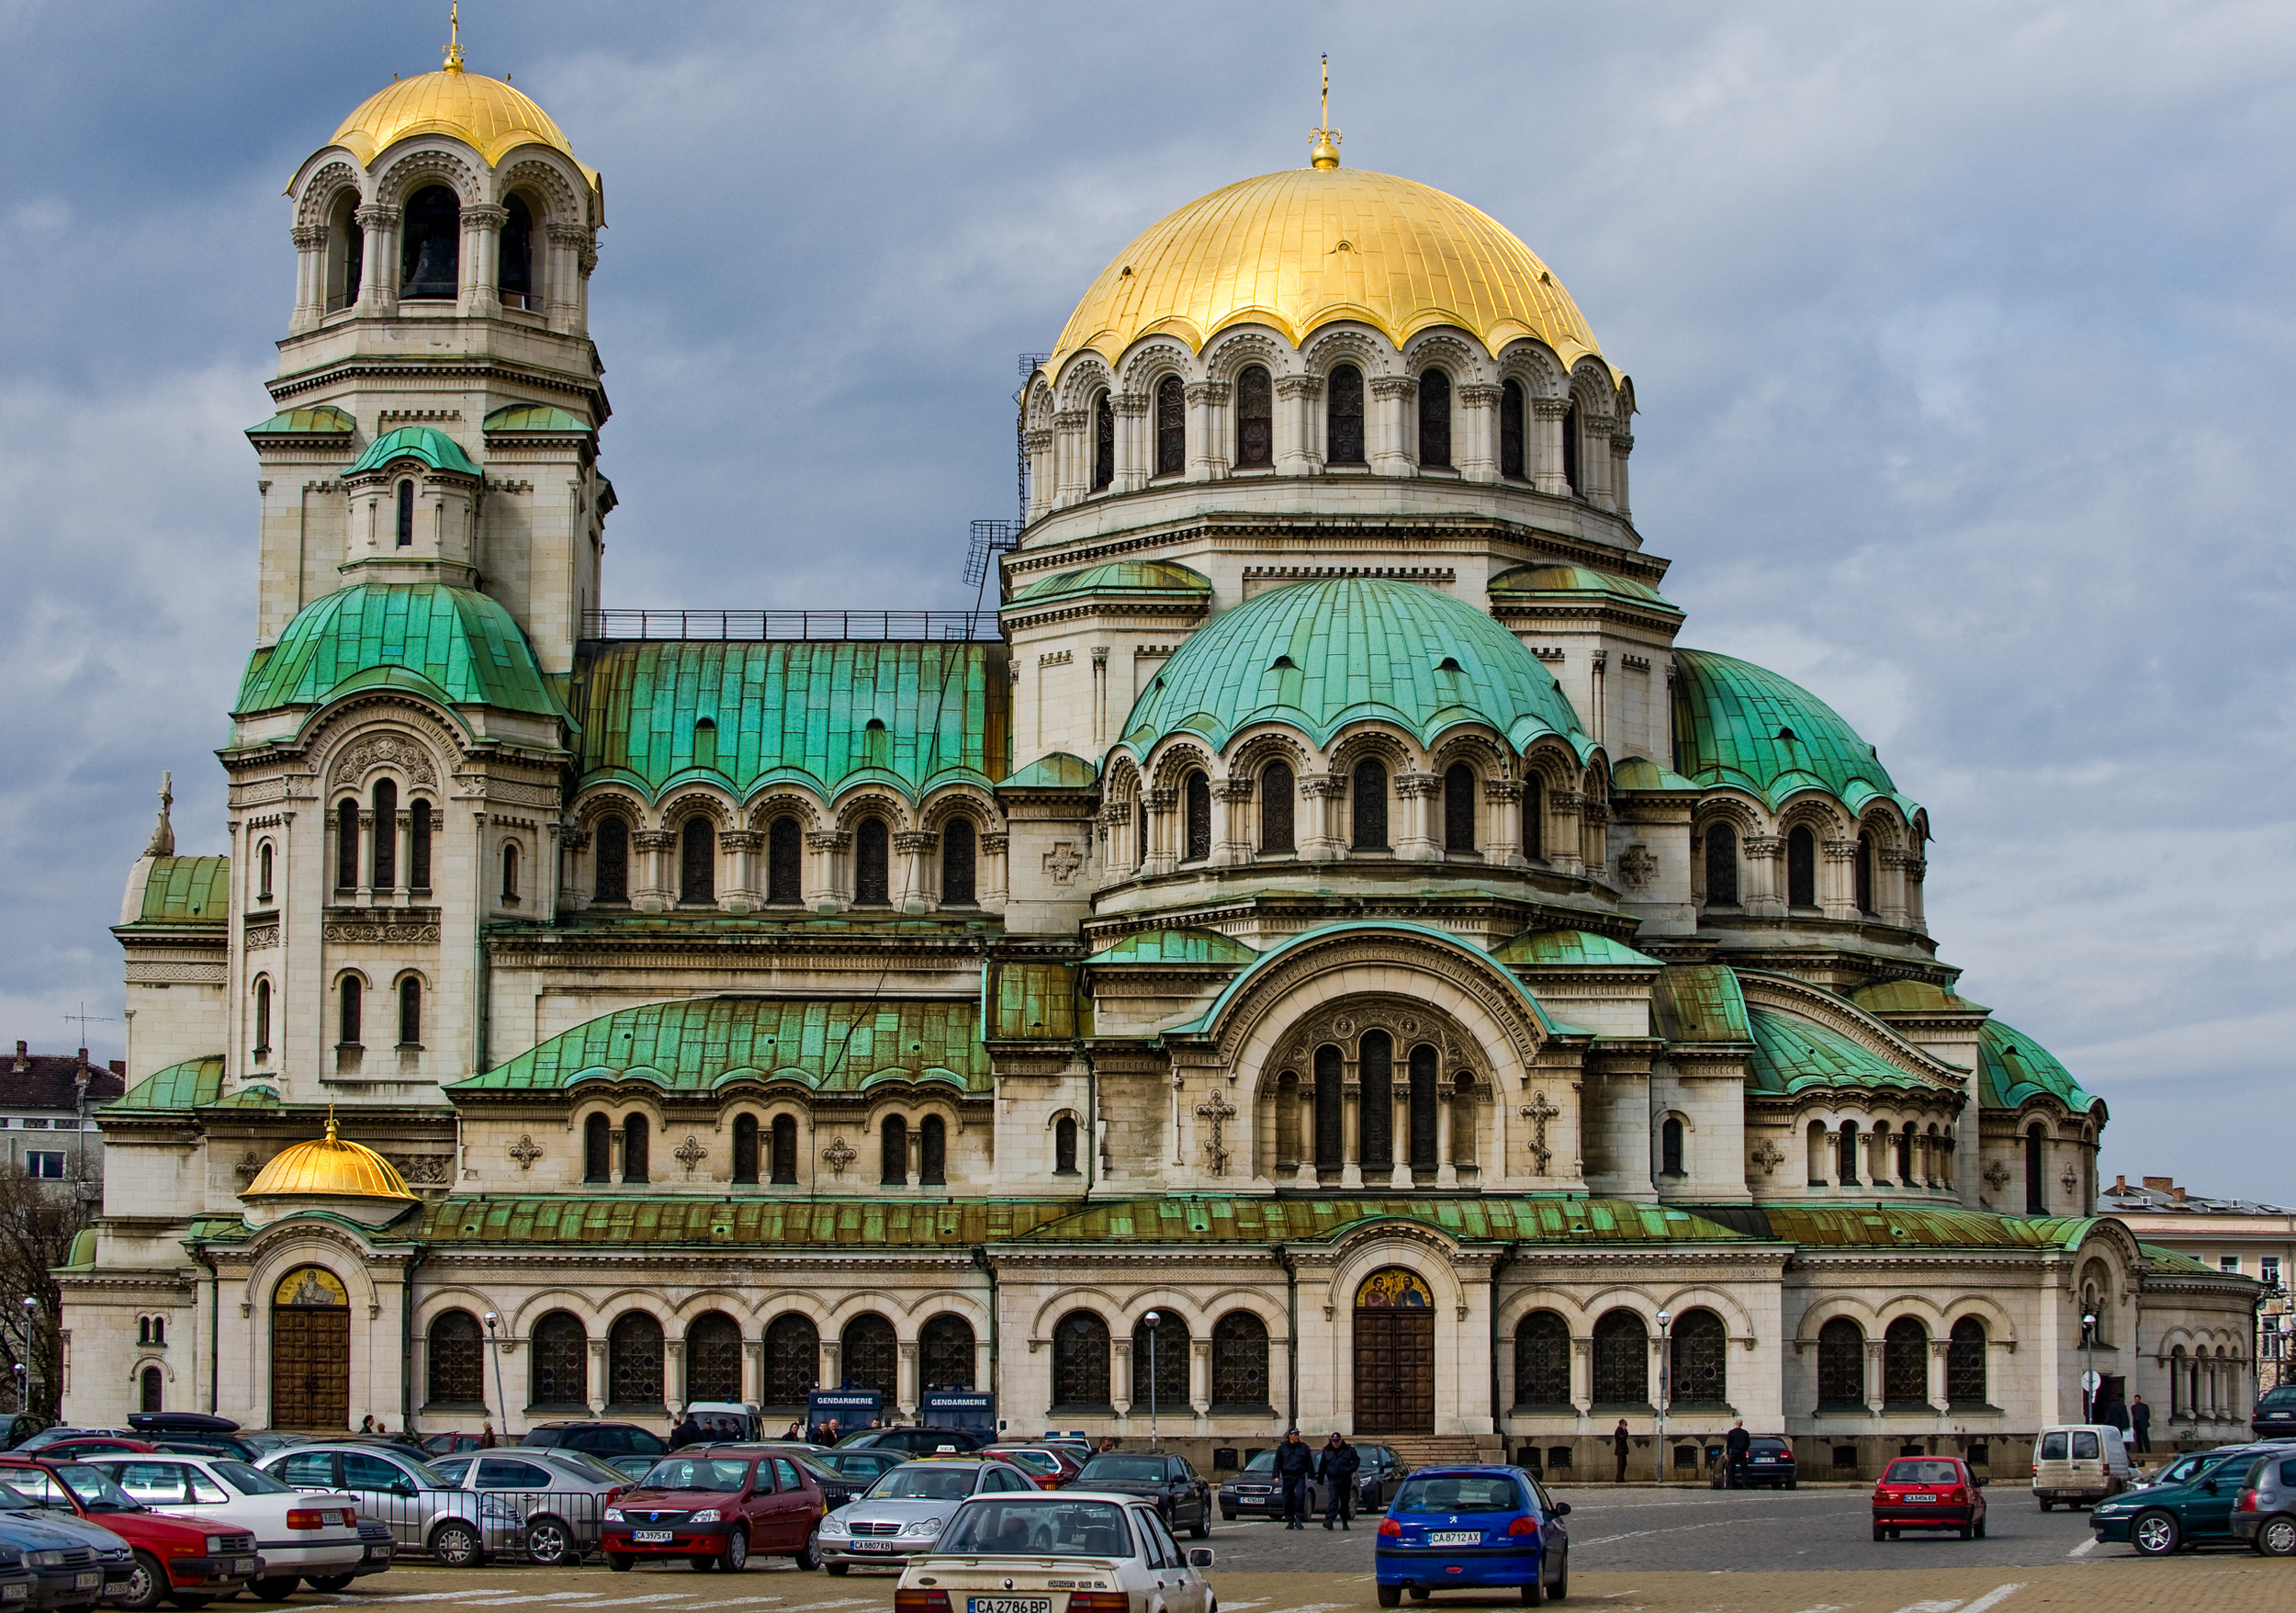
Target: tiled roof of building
{"type": "Point", "coordinates": [1177, 946]}
{"type": "Point", "coordinates": [426, 443]}
{"type": "Point", "coordinates": [1881, 1225]}
{"type": "Point", "coordinates": [1792, 1054]}
{"type": "Point", "coordinates": [1913, 997]}
{"type": "Point", "coordinates": [2013, 1069]}
{"type": "Point", "coordinates": [1577, 584]}
{"type": "Point", "coordinates": [455, 646]}
{"type": "Point", "coordinates": [187, 890]}
{"type": "Point", "coordinates": [325, 421]}
{"type": "Point", "coordinates": [1036, 1002]}
{"type": "Point", "coordinates": [180, 1087]}
{"type": "Point", "coordinates": [48, 1080]}
{"type": "Point", "coordinates": [1571, 948]}
{"type": "Point", "coordinates": [1128, 577]}
{"type": "Point", "coordinates": [1736, 723]}
{"type": "Point", "coordinates": [1699, 1002]}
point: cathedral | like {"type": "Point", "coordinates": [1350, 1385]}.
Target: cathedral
{"type": "Point", "coordinates": [1325, 905]}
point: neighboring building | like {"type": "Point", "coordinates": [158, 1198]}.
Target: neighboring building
{"type": "Point", "coordinates": [48, 1106]}
{"type": "Point", "coordinates": [1325, 905]}
{"type": "Point", "coordinates": [2235, 1235]}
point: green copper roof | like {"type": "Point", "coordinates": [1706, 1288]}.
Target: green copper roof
{"type": "Point", "coordinates": [452, 645]}
{"type": "Point", "coordinates": [1883, 1225]}
{"type": "Point", "coordinates": [1912, 996]}
{"type": "Point", "coordinates": [1527, 582]}
{"type": "Point", "coordinates": [1321, 655]}
{"type": "Point", "coordinates": [326, 421]}
{"type": "Point", "coordinates": [837, 1045]}
{"type": "Point", "coordinates": [426, 443]}
{"type": "Point", "coordinates": [1792, 1054]}
{"type": "Point", "coordinates": [2012, 1068]}
{"type": "Point", "coordinates": [1465, 953]}
{"type": "Point", "coordinates": [534, 417]}
{"type": "Point", "coordinates": [1639, 772]}
{"type": "Point", "coordinates": [188, 890]}
{"type": "Point", "coordinates": [183, 1087]}
{"type": "Point", "coordinates": [1736, 723]}
{"type": "Point", "coordinates": [2168, 1259]}
{"type": "Point", "coordinates": [1699, 1002]}
{"type": "Point", "coordinates": [1036, 1002]}
{"type": "Point", "coordinates": [823, 713]}
{"type": "Point", "coordinates": [1177, 946]}
{"type": "Point", "coordinates": [1116, 577]}
{"type": "Point", "coordinates": [1571, 948]}
{"type": "Point", "coordinates": [1059, 770]}
{"type": "Point", "coordinates": [1479, 1220]}
{"type": "Point", "coordinates": [608, 1223]}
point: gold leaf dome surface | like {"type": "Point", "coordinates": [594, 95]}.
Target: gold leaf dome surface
{"type": "Point", "coordinates": [1307, 246]}
{"type": "Point", "coordinates": [330, 1167]}
{"type": "Point", "coordinates": [481, 112]}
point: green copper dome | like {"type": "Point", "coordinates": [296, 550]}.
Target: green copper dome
{"type": "Point", "coordinates": [1321, 655]}
{"type": "Point", "coordinates": [1736, 723]}
{"type": "Point", "coordinates": [433, 447]}
{"type": "Point", "coordinates": [2013, 1069]}
{"type": "Point", "coordinates": [452, 645]}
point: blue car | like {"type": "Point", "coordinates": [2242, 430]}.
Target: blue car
{"type": "Point", "coordinates": [1473, 1527]}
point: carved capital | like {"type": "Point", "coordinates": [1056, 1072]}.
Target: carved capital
{"type": "Point", "coordinates": [1208, 391]}
{"type": "Point", "coordinates": [1549, 408]}
{"type": "Point", "coordinates": [1232, 789]}
{"type": "Point", "coordinates": [1299, 386]}
{"type": "Point", "coordinates": [1479, 396]}
{"type": "Point", "coordinates": [1767, 846]}
{"type": "Point", "coordinates": [916, 840]}
{"type": "Point", "coordinates": [995, 845]}
{"type": "Point", "coordinates": [654, 839]}
{"type": "Point", "coordinates": [1621, 443]}
{"type": "Point", "coordinates": [1071, 420]}
{"type": "Point", "coordinates": [1394, 386]}
{"type": "Point", "coordinates": [485, 216]}
{"type": "Point", "coordinates": [742, 840]}
{"type": "Point", "coordinates": [1130, 405]}
{"type": "Point", "coordinates": [1037, 441]}
{"type": "Point", "coordinates": [828, 839]}
{"type": "Point", "coordinates": [376, 216]}
{"type": "Point", "coordinates": [1503, 789]}
{"type": "Point", "coordinates": [1842, 851]}
{"type": "Point", "coordinates": [1159, 800]}
{"type": "Point", "coordinates": [1331, 785]}
{"type": "Point", "coordinates": [1418, 784]}
{"type": "Point", "coordinates": [308, 237]}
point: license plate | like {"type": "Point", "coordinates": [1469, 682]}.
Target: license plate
{"type": "Point", "coordinates": [1008, 1605]}
{"type": "Point", "coordinates": [653, 1536]}
{"type": "Point", "coordinates": [92, 1579]}
{"type": "Point", "coordinates": [1456, 1537]}
{"type": "Point", "coordinates": [873, 1546]}
{"type": "Point", "coordinates": [1918, 1500]}
{"type": "Point", "coordinates": [243, 1565]}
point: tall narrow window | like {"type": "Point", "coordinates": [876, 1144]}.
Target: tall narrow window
{"type": "Point", "coordinates": [1542, 1362]}
{"type": "Point", "coordinates": [1906, 1365]}
{"type": "Point", "coordinates": [892, 1152]}
{"type": "Point", "coordinates": [509, 874]}
{"type": "Point", "coordinates": [262, 1019]}
{"type": "Point", "coordinates": [957, 862]}
{"type": "Point", "coordinates": [458, 1363]}
{"type": "Point", "coordinates": [1698, 1355]}
{"type": "Point", "coordinates": [1171, 426]}
{"type": "Point", "coordinates": [1670, 1147]}
{"type": "Point", "coordinates": [612, 882]}
{"type": "Point", "coordinates": [1622, 1362]}
{"type": "Point", "coordinates": [1866, 872]}
{"type": "Point", "coordinates": [697, 861]}
{"type": "Point", "coordinates": [404, 525]}
{"type": "Point", "coordinates": [1254, 419]}
{"type": "Point", "coordinates": [1103, 443]}
{"type": "Point", "coordinates": [745, 1149]}
{"type": "Point", "coordinates": [347, 845]}
{"type": "Point", "coordinates": [1458, 808]}
{"type": "Point", "coordinates": [385, 836]}
{"type": "Point", "coordinates": [349, 255]}
{"type": "Point", "coordinates": [1964, 1364]}
{"type": "Point", "coordinates": [1276, 788]}
{"type": "Point", "coordinates": [1239, 1363]}
{"type": "Point", "coordinates": [559, 1368]}
{"type": "Point", "coordinates": [785, 864]}
{"type": "Point", "coordinates": [516, 277]}
{"type": "Point", "coordinates": [1511, 430]}
{"type": "Point", "coordinates": [1533, 815]}
{"type": "Point", "coordinates": [1721, 867]}
{"type": "Point", "coordinates": [1571, 447]}
{"type": "Point", "coordinates": [1065, 1145]}
{"type": "Point", "coordinates": [1801, 868]}
{"type": "Point", "coordinates": [636, 1136]}
{"type": "Point", "coordinates": [1330, 1078]}
{"type": "Point", "coordinates": [1846, 1145]}
{"type": "Point", "coordinates": [348, 1022]}
{"type": "Point", "coordinates": [1198, 794]}
{"type": "Point", "coordinates": [411, 1013]}
{"type": "Point", "coordinates": [263, 872]}
{"type": "Point", "coordinates": [705, 743]}
{"type": "Point", "coordinates": [1424, 1115]}
{"type": "Point", "coordinates": [785, 1150]}
{"type": "Point", "coordinates": [2036, 1189]}
{"type": "Point", "coordinates": [1435, 419]}
{"type": "Point", "coordinates": [1375, 1070]}
{"type": "Point", "coordinates": [1343, 417]}
{"type": "Point", "coordinates": [419, 847]}
{"type": "Point", "coordinates": [430, 265]}
{"type": "Point", "coordinates": [1368, 792]}
{"type": "Point", "coordinates": [597, 1150]}
{"type": "Point", "coordinates": [1840, 1365]}
{"type": "Point", "coordinates": [1904, 1156]}
{"type": "Point", "coordinates": [932, 1152]}
{"type": "Point", "coordinates": [633, 1361]}
{"type": "Point", "coordinates": [873, 883]}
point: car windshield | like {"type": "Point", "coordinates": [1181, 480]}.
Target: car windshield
{"type": "Point", "coordinates": [1263, 1461]}
{"type": "Point", "coordinates": [1015, 1527]}
{"type": "Point", "coordinates": [1122, 1470]}
{"type": "Point", "coordinates": [1459, 1492]}
{"type": "Point", "coordinates": [920, 1483]}
{"type": "Point", "coordinates": [11, 1497]}
{"type": "Point", "coordinates": [697, 1473]}
{"type": "Point", "coordinates": [96, 1493]}
{"type": "Point", "coordinates": [1038, 1460]}
{"type": "Point", "coordinates": [249, 1481]}
{"type": "Point", "coordinates": [451, 1467]}
{"type": "Point", "coordinates": [1921, 1473]}
{"type": "Point", "coordinates": [588, 1466]}
{"type": "Point", "coordinates": [2285, 1395]}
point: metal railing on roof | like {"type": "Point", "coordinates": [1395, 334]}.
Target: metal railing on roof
{"type": "Point", "coordinates": [752, 626]}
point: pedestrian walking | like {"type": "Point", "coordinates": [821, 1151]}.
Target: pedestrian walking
{"type": "Point", "coordinates": [687, 1432]}
{"type": "Point", "coordinates": [487, 1441]}
{"type": "Point", "coordinates": [1337, 1468]}
{"type": "Point", "coordinates": [1618, 1443]}
{"type": "Point", "coordinates": [2141, 1425]}
{"type": "Point", "coordinates": [1295, 1461]}
{"type": "Point", "coordinates": [1735, 1445]}
{"type": "Point", "coordinates": [366, 1424]}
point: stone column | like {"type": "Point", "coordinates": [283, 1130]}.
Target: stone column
{"type": "Point", "coordinates": [1162, 856]}
{"type": "Point", "coordinates": [1838, 893]}
{"type": "Point", "coordinates": [1350, 1126]}
{"type": "Point", "coordinates": [994, 878]}
{"type": "Point", "coordinates": [1503, 823]}
{"type": "Point", "coordinates": [1232, 847]}
{"type": "Point", "coordinates": [753, 1371]}
{"type": "Point", "coordinates": [365, 887]}
{"type": "Point", "coordinates": [600, 1366]}
{"type": "Point", "coordinates": [1874, 1376]}
{"type": "Point", "coordinates": [1200, 1374]}
{"type": "Point", "coordinates": [563, 247]}
{"type": "Point", "coordinates": [1594, 461]}
{"type": "Point", "coordinates": [1209, 457]}
{"type": "Point", "coordinates": [1417, 792]}
{"type": "Point", "coordinates": [1544, 450]}
{"type": "Point", "coordinates": [1937, 1395]}
{"type": "Point", "coordinates": [1072, 456]}
{"type": "Point", "coordinates": [1389, 447]}
{"type": "Point", "coordinates": [1564, 839]}
{"type": "Point", "coordinates": [480, 294]}
{"type": "Point", "coordinates": [1583, 1373]}
{"type": "Point", "coordinates": [1763, 896]}
{"type": "Point", "coordinates": [402, 834]}
{"type": "Point", "coordinates": [378, 262]}
{"type": "Point", "coordinates": [673, 1374]}
{"type": "Point", "coordinates": [1917, 914]}
{"type": "Point", "coordinates": [832, 1363]}
{"type": "Point", "coordinates": [654, 847]}
{"type": "Point", "coordinates": [1298, 442]}
{"type": "Point", "coordinates": [1621, 443]}
{"type": "Point", "coordinates": [824, 868]}
{"type": "Point", "coordinates": [310, 276]}
{"type": "Point", "coordinates": [1135, 444]}
{"type": "Point", "coordinates": [914, 845]}
{"type": "Point", "coordinates": [1037, 443]}
{"type": "Point", "coordinates": [1320, 795]}
{"type": "Point", "coordinates": [1120, 1375]}
{"type": "Point", "coordinates": [1446, 1161]}
{"type": "Point", "coordinates": [742, 894]}
{"type": "Point", "coordinates": [1476, 449]}
{"type": "Point", "coordinates": [906, 1390]}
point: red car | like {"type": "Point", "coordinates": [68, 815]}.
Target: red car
{"type": "Point", "coordinates": [1928, 1492]}
{"type": "Point", "coordinates": [717, 1506]}
{"type": "Point", "coordinates": [82, 1445]}
{"type": "Point", "coordinates": [1050, 1467]}
{"type": "Point", "coordinates": [182, 1560]}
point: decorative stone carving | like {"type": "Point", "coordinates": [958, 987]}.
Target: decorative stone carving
{"type": "Point", "coordinates": [525, 1152]}
{"type": "Point", "coordinates": [431, 1170]}
{"type": "Point", "coordinates": [691, 1153]}
{"type": "Point", "coordinates": [1767, 1156]}
{"type": "Point", "coordinates": [383, 933]}
{"type": "Point", "coordinates": [1218, 1111]}
{"type": "Point", "coordinates": [260, 937]}
{"type": "Point", "coordinates": [1539, 1112]}
{"type": "Point", "coordinates": [1997, 1176]}
{"type": "Point", "coordinates": [1638, 865]}
{"type": "Point", "coordinates": [1062, 862]}
{"type": "Point", "coordinates": [837, 1155]}
{"type": "Point", "coordinates": [384, 751]}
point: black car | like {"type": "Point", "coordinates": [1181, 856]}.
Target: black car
{"type": "Point", "coordinates": [916, 1441]}
{"type": "Point", "coordinates": [2275, 1416]}
{"type": "Point", "coordinates": [604, 1440]}
{"type": "Point", "coordinates": [1183, 1499]}
{"type": "Point", "coordinates": [1382, 1474]}
{"type": "Point", "coordinates": [1769, 1461]}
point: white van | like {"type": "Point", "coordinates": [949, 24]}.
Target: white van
{"type": "Point", "coordinates": [2079, 1464]}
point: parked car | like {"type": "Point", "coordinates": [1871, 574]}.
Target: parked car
{"type": "Point", "coordinates": [717, 1511]}
{"type": "Point", "coordinates": [864, 1468]}
{"type": "Point", "coordinates": [1027, 1548]}
{"type": "Point", "coordinates": [904, 1512]}
{"type": "Point", "coordinates": [1182, 1498]}
{"type": "Point", "coordinates": [1472, 1527]}
{"type": "Point", "coordinates": [562, 1494]}
{"type": "Point", "coordinates": [1050, 1468]}
{"type": "Point", "coordinates": [85, 1445]}
{"type": "Point", "coordinates": [916, 1441]}
{"type": "Point", "coordinates": [624, 1447]}
{"type": "Point", "coordinates": [60, 1547]}
{"type": "Point", "coordinates": [2275, 1416]}
{"type": "Point", "coordinates": [298, 1536]}
{"type": "Point", "coordinates": [20, 1584]}
{"type": "Point", "coordinates": [726, 1422]}
{"type": "Point", "coordinates": [459, 1528]}
{"type": "Point", "coordinates": [2080, 1464]}
{"type": "Point", "coordinates": [2190, 1505]}
{"type": "Point", "coordinates": [836, 1485]}
{"type": "Point", "coordinates": [187, 1425]}
{"type": "Point", "coordinates": [1769, 1461]}
{"type": "Point", "coordinates": [40, 1439]}
{"type": "Point", "coordinates": [187, 1560]}
{"type": "Point", "coordinates": [448, 1444]}
{"type": "Point", "coordinates": [2264, 1514]}
{"type": "Point", "coordinates": [1256, 1488]}
{"type": "Point", "coordinates": [1382, 1474]}
{"type": "Point", "coordinates": [1928, 1492]}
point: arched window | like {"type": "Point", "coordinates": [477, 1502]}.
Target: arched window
{"type": "Point", "coordinates": [612, 882]}
{"type": "Point", "coordinates": [386, 835]}
{"type": "Point", "coordinates": [597, 1149]}
{"type": "Point", "coordinates": [958, 861]}
{"type": "Point", "coordinates": [1288, 1121]}
{"type": "Point", "coordinates": [458, 1361]}
{"type": "Point", "coordinates": [784, 861]}
{"type": "Point", "coordinates": [515, 276]}
{"type": "Point", "coordinates": [347, 845]}
{"type": "Point", "coordinates": [152, 1390]}
{"type": "Point", "coordinates": [262, 1019]}
{"type": "Point", "coordinates": [559, 1377]}
{"type": "Point", "coordinates": [1820, 1154]}
{"type": "Point", "coordinates": [932, 1152]}
{"type": "Point", "coordinates": [1195, 799]}
{"type": "Point", "coordinates": [1964, 1364]}
{"type": "Point", "coordinates": [429, 259]}
{"type": "Point", "coordinates": [1463, 1120]}
{"type": "Point", "coordinates": [1542, 1362]}
{"type": "Point", "coordinates": [872, 1355]}
{"type": "Point", "coordinates": [636, 1136]}
{"type": "Point", "coordinates": [2036, 1188]}
{"type": "Point", "coordinates": [697, 860]}
{"type": "Point", "coordinates": [1866, 872]}
{"type": "Point", "coordinates": [1169, 1380]}
{"type": "Point", "coordinates": [1375, 1071]}
{"type": "Point", "coordinates": [1904, 1156]}
{"type": "Point", "coordinates": [346, 254]}
{"type": "Point", "coordinates": [714, 1358]}
{"type": "Point", "coordinates": [1343, 416]}
{"type": "Point", "coordinates": [411, 1013]}
{"type": "Point", "coordinates": [1533, 817]}
{"type": "Point", "coordinates": [1139, 833]}
{"type": "Point", "coordinates": [1906, 1365]}
{"type": "Point", "coordinates": [1329, 1080]}
{"type": "Point", "coordinates": [892, 1152]}
{"type": "Point", "coordinates": [1239, 1363]}
{"type": "Point", "coordinates": [785, 1150]}
{"type": "Point", "coordinates": [946, 1357]}
{"type": "Point", "coordinates": [1801, 867]}
{"type": "Point", "coordinates": [1103, 443]}
{"type": "Point", "coordinates": [1622, 1362]}
{"type": "Point", "coordinates": [419, 848]}
{"type": "Point", "coordinates": [1670, 1146]}
{"type": "Point", "coordinates": [1721, 867]}
{"type": "Point", "coordinates": [1511, 430]}
{"type": "Point", "coordinates": [1458, 807]}
{"type": "Point", "coordinates": [1697, 1351]}
{"type": "Point", "coordinates": [792, 1362]}
{"type": "Point", "coordinates": [1848, 1148]}
{"type": "Point", "coordinates": [1571, 447]}
{"type": "Point", "coordinates": [347, 1024]}
{"type": "Point", "coordinates": [1080, 1362]}
{"type": "Point", "coordinates": [263, 872]}
{"type": "Point", "coordinates": [1276, 788]}
{"type": "Point", "coordinates": [403, 525]}
{"type": "Point", "coordinates": [1171, 426]}
{"type": "Point", "coordinates": [1370, 799]}
{"type": "Point", "coordinates": [510, 873]}
{"type": "Point", "coordinates": [1435, 419]}
{"type": "Point", "coordinates": [1424, 1116]}
{"type": "Point", "coordinates": [744, 1151]}
{"type": "Point", "coordinates": [872, 879]}
{"type": "Point", "coordinates": [1065, 1145]}
{"type": "Point", "coordinates": [1841, 1366]}
{"type": "Point", "coordinates": [634, 1362]}
{"type": "Point", "coordinates": [1254, 419]}
{"type": "Point", "coordinates": [705, 743]}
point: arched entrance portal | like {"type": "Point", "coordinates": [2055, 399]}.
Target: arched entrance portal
{"type": "Point", "coordinates": [1394, 1354]}
{"type": "Point", "coordinates": [311, 1351]}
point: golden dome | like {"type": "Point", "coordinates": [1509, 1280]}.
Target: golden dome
{"type": "Point", "coordinates": [329, 1168]}
{"type": "Point", "coordinates": [482, 112]}
{"type": "Point", "coordinates": [1308, 246]}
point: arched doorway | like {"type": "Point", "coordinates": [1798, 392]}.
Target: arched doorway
{"type": "Point", "coordinates": [311, 1351]}
{"type": "Point", "coordinates": [1394, 1354]}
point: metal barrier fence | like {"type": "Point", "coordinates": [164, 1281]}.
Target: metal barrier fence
{"type": "Point", "coordinates": [544, 1525]}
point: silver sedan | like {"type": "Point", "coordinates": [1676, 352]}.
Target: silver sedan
{"type": "Point", "coordinates": [903, 1512]}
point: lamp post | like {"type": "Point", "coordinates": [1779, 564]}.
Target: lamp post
{"type": "Point", "coordinates": [494, 1349]}
{"type": "Point", "coordinates": [1666, 1363]}
{"type": "Point", "coordinates": [31, 1310]}
{"type": "Point", "coordinates": [2088, 1378]}
{"type": "Point", "coordinates": [1151, 1319]}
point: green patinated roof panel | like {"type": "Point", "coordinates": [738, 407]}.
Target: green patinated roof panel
{"type": "Point", "coordinates": [1639, 772]}
{"type": "Point", "coordinates": [1059, 770]}
{"type": "Point", "coordinates": [1574, 582]}
{"type": "Point", "coordinates": [452, 645]}
{"type": "Point", "coordinates": [187, 890]}
{"type": "Point", "coordinates": [326, 421]}
{"type": "Point", "coordinates": [1153, 577]}
{"type": "Point", "coordinates": [1736, 723]}
{"type": "Point", "coordinates": [1792, 1054]}
{"type": "Point", "coordinates": [1573, 948]}
{"type": "Point", "coordinates": [534, 417]}
{"type": "Point", "coordinates": [427, 443]}
{"type": "Point", "coordinates": [1699, 1002]}
{"type": "Point", "coordinates": [2173, 1261]}
{"type": "Point", "coordinates": [2013, 1069]}
{"type": "Point", "coordinates": [833, 1045]}
{"type": "Point", "coordinates": [1178, 946]}
{"type": "Point", "coordinates": [1913, 997]}
{"type": "Point", "coordinates": [799, 710]}
{"type": "Point", "coordinates": [178, 1088]}
{"type": "Point", "coordinates": [1037, 1002]}
{"type": "Point", "coordinates": [1479, 1220]}
{"type": "Point", "coordinates": [1884, 1225]}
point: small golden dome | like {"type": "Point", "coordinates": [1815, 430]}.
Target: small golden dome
{"type": "Point", "coordinates": [1308, 246]}
{"type": "Point", "coordinates": [329, 1168]}
{"type": "Point", "coordinates": [482, 112]}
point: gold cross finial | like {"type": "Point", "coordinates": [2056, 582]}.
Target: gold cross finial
{"type": "Point", "coordinates": [453, 38]}
{"type": "Point", "coordinates": [1325, 153]}
{"type": "Point", "coordinates": [330, 1119]}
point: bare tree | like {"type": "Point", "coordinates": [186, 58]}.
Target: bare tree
{"type": "Point", "coordinates": [39, 1218]}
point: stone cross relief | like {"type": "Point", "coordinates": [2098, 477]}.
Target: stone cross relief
{"type": "Point", "coordinates": [1769, 1157]}
{"type": "Point", "coordinates": [691, 1153]}
{"type": "Point", "coordinates": [1062, 861]}
{"type": "Point", "coordinates": [1539, 1112]}
{"type": "Point", "coordinates": [524, 1151]}
{"type": "Point", "coordinates": [837, 1155]}
{"type": "Point", "coordinates": [1218, 1111]}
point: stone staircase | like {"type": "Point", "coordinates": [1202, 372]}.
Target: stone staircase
{"type": "Point", "coordinates": [1442, 1449]}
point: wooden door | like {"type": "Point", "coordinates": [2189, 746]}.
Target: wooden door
{"type": "Point", "coordinates": [310, 1368]}
{"type": "Point", "coordinates": [1394, 1370]}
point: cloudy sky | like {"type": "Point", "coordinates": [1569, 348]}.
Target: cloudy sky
{"type": "Point", "coordinates": [1963, 335]}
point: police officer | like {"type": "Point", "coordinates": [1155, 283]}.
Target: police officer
{"type": "Point", "coordinates": [1295, 1460]}
{"type": "Point", "coordinates": [1338, 1469]}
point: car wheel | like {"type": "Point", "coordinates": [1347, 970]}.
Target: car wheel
{"type": "Point", "coordinates": [618, 1560]}
{"type": "Point", "coordinates": [1561, 1587]}
{"type": "Point", "coordinates": [1202, 1530]}
{"type": "Point", "coordinates": [2156, 1534]}
{"type": "Point", "coordinates": [1790, 1483]}
{"type": "Point", "coordinates": [701, 1564]}
{"type": "Point", "coordinates": [1968, 1530]}
{"type": "Point", "coordinates": [277, 1588]}
{"type": "Point", "coordinates": [550, 1544]}
{"type": "Point", "coordinates": [810, 1558]}
{"type": "Point", "coordinates": [1880, 1533]}
{"type": "Point", "coordinates": [737, 1554]}
{"type": "Point", "coordinates": [841, 1569]}
{"type": "Point", "coordinates": [1391, 1596]}
{"type": "Point", "coordinates": [1226, 1516]}
{"type": "Point", "coordinates": [454, 1545]}
{"type": "Point", "coordinates": [2276, 1536]}
{"type": "Point", "coordinates": [1981, 1528]}
{"type": "Point", "coordinates": [147, 1585]}
{"type": "Point", "coordinates": [1418, 1593]}
{"type": "Point", "coordinates": [330, 1582]}
{"type": "Point", "coordinates": [1534, 1593]}
{"type": "Point", "coordinates": [2047, 1504]}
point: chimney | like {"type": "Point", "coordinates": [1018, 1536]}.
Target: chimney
{"type": "Point", "coordinates": [119, 1067]}
{"type": "Point", "coordinates": [22, 1063]}
{"type": "Point", "coordinates": [2161, 1184]}
{"type": "Point", "coordinates": [2179, 1194]}
{"type": "Point", "coordinates": [2120, 1184]}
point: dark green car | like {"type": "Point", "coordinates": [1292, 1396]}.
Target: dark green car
{"type": "Point", "coordinates": [2190, 1504]}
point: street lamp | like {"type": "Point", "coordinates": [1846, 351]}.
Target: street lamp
{"type": "Point", "coordinates": [31, 1309]}
{"type": "Point", "coordinates": [2088, 1379]}
{"type": "Point", "coordinates": [1666, 1363]}
{"type": "Point", "coordinates": [494, 1349]}
{"type": "Point", "coordinates": [1151, 1319]}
